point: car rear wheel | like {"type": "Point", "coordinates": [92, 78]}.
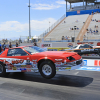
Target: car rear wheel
{"type": "Point", "coordinates": [2, 70]}
{"type": "Point", "coordinates": [47, 69]}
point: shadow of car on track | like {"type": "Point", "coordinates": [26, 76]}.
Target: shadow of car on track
{"type": "Point", "coordinates": [63, 80]}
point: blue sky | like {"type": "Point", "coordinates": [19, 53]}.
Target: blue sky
{"type": "Point", "coordinates": [14, 16]}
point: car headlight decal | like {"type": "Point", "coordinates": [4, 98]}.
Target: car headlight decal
{"type": "Point", "coordinates": [70, 58]}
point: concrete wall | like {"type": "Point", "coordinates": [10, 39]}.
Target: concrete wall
{"type": "Point", "coordinates": [56, 44]}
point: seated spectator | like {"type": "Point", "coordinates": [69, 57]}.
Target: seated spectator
{"type": "Point", "coordinates": [90, 29]}
{"type": "Point", "coordinates": [77, 28]}
{"type": "Point", "coordinates": [64, 21]}
{"type": "Point", "coordinates": [76, 20]}
{"type": "Point", "coordinates": [94, 31]}
{"type": "Point", "coordinates": [87, 29]}
{"type": "Point", "coordinates": [96, 20]}
{"type": "Point", "coordinates": [92, 13]}
{"type": "Point", "coordinates": [66, 37]}
{"type": "Point", "coordinates": [62, 37]}
{"type": "Point", "coordinates": [70, 28]}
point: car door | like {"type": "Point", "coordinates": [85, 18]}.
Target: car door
{"type": "Point", "coordinates": [19, 58]}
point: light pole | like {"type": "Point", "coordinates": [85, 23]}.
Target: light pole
{"type": "Point", "coordinates": [29, 21]}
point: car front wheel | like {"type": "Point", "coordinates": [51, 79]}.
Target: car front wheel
{"type": "Point", "coordinates": [47, 69]}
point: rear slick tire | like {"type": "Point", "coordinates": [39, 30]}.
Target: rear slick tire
{"type": "Point", "coordinates": [2, 70]}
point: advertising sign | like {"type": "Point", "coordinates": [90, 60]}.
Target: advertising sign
{"type": "Point", "coordinates": [44, 45]}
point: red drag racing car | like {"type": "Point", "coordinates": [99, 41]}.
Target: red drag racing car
{"type": "Point", "coordinates": [34, 59]}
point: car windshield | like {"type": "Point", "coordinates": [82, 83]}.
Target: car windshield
{"type": "Point", "coordinates": [38, 49]}
{"type": "Point", "coordinates": [1, 52]}
{"type": "Point", "coordinates": [33, 49]}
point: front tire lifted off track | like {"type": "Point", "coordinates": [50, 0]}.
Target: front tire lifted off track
{"type": "Point", "coordinates": [47, 69]}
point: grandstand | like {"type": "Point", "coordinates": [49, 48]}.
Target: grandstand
{"type": "Point", "coordinates": [73, 26]}
{"type": "Point", "coordinates": [63, 28]}
{"type": "Point", "coordinates": [93, 32]}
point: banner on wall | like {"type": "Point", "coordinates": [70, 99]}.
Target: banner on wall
{"type": "Point", "coordinates": [91, 62]}
{"type": "Point", "coordinates": [45, 45]}
{"type": "Point", "coordinates": [70, 44]}
{"type": "Point", "coordinates": [78, 12]}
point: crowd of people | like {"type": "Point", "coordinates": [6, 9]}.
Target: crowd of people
{"type": "Point", "coordinates": [66, 38]}
{"type": "Point", "coordinates": [4, 46]}
{"type": "Point", "coordinates": [95, 20]}
{"type": "Point", "coordinates": [92, 31]}
{"type": "Point", "coordinates": [76, 28]}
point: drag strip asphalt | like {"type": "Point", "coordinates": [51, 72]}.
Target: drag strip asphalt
{"type": "Point", "coordinates": [66, 85]}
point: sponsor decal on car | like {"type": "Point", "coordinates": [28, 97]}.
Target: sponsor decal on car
{"type": "Point", "coordinates": [62, 68]}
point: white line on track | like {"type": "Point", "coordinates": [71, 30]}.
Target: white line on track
{"type": "Point", "coordinates": [76, 73]}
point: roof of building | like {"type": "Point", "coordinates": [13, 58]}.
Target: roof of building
{"type": "Point", "coordinates": [74, 1]}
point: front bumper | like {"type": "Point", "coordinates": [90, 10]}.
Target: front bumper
{"type": "Point", "coordinates": [70, 66]}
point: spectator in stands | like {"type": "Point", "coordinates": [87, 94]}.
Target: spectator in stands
{"type": "Point", "coordinates": [90, 29]}
{"type": "Point", "coordinates": [10, 45]}
{"type": "Point", "coordinates": [77, 28]}
{"type": "Point", "coordinates": [66, 37]}
{"type": "Point", "coordinates": [64, 21]}
{"type": "Point", "coordinates": [92, 13]}
{"type": "Point", "coordinates": [84, 37]}
{"type": "Point", "coordinates": [69, 28]}
{"type": "Point", "coordinates": [62, 37]}
{"type": "Point", "coordinates": [95, 26]}
{"type": "Point", "coordinates": [76, 20]}
{"type": "Point", "coordinates": [94, 31]}
{"type": "Point", "coordinates": [87, 29]}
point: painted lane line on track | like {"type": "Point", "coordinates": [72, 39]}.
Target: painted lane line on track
{"type": "Point", "coordinates": [76, 73]}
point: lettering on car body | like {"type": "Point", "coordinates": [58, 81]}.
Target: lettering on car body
{"type": "Point", "coordinates": [87, 50]}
